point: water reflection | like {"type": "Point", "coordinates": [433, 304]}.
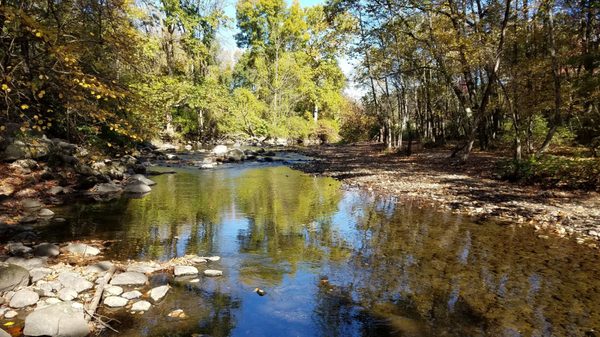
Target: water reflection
{"type": "Point", "coordinates": [392, 269]}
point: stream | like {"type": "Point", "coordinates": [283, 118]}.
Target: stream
{"type": "Point", "coordinates": [335, 262]}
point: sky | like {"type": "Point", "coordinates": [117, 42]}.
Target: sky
{"type": "Point", "coordinates": [227, 39]}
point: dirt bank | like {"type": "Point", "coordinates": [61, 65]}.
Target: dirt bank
{"type": "Point", "coordinates": [432, 178]}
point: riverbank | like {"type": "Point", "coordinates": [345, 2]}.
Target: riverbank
{"type": "Point", "coordinates": [430, 178]}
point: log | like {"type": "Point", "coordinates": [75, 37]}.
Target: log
{"type": "Point", "coordinates": [98, 295]}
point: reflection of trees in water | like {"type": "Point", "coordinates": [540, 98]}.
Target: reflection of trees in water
{"type": "Point", "coordinates": [463, 279]}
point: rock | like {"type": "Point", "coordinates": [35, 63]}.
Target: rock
{"type": "Point", "coordinates": [4, 333]}
{"type": "Point", "coordinates": [140, 178]}
{"type": "Point", "coordinates": [188, 147]}
{"type": "Point", "coordinates": [129, 278]}
{"type": "Point", "coordinates": [138, 188]}
{"type": "Point", "coordinates": [67, 294]}
{"type": "Point", "coordinates": [212, 272]}
{"type": "Point", "coordinates": [74, 281]}
{"type": "Point", "coordinates": [53, 300]}
{"type": "Point", "coordinates": [17, 248]}
{"type": "Point", "coordinates": [46, 249]}
{"type": "Point", "coordinates": [106, 188]}
{"type": "Point", "coordinates": [113, 290]}
{"type": "Point", "coordinates": [45, 213]}
{"type": "Point", "coordinates": [195, 259]}
{"type": "Point", "coordinates": [24, 298]}
{"type": "Point", "coordinates": [185, 270]}
{"type": "Point", "coordinates": [20, 150]}
{"type": "Point", "coordinates": [28, 264]}
{"type": "Point", "coordinates": [177, 313]}
{"type": "Point", "coordinates": [13, 276]}
{"type": "Point", "coordinates": [55, 190]}
{"type": "Point", "coordinates": [212, 258]}
{"type": "Point", "coordinates": [196, 280]}
{"type": "Point", "coordinates": [141, 306]}
{"type": "Point", "coordinates": [31, 204]}
{"type": "Point", "coordinates": [45, 289]}
{"type": "Point", "coordinates": [60, 319]}
{"type": "Point", "coordinates": [157, 294]}
{"type": "Point", "coordinates": [10, 314]}
{"type": "Point", "coordinates": [144, 267]}
{"type": "Point", "coordinates": [115, 301]}
{"type": "Point", "coordinates": [171, 156]}
{"type": "Point", "coordinates": [82, 249]}
{"type": "Point", "coordinates": [28, 219]}
{"type": "Point", "coordinates": [208, 165]}
{"type": "Point", "coordinates": [220, 150]}
{"type": "Point", "coordinates": [25, 164]}
{"type": "Point", "coordinates": [130, 295]}
{"type": "Point", "coordinates": [39, 273]}
{"type": "Point", "coordinates": [100, 267]}
{"type": "Point", "coordinates": [236, 155]}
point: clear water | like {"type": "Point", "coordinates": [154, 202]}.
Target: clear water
{"type": "Point", "coordinates": [394, 269]}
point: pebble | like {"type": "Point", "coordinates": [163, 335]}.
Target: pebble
{"type": "Point", "coordinates": [11, 314]}
{"type": "Point", "coordinates": [141, 306]}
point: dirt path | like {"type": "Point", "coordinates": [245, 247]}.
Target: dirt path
{"type": "Point", "coordinates": [430, 177]}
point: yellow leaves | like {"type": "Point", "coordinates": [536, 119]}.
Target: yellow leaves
{"type": "Point", "coordinates": [9, 323]}
{"type": "Point", "coordinates": [24, 106]}
{"type": "Point", "coordinates": [5, 87]}
{"type": "Point", "coordinates": [41, 94]}
{"type": "Point", "coordinates": [109, 144]}
{"type": "Point", "coordinates": [2, 127]}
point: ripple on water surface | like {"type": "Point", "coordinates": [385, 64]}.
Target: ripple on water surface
{"type": "Point", "coordinates": [388, 269]}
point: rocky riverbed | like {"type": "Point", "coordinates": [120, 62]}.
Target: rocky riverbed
{"type": "Point", "coordinates": [57, 290]}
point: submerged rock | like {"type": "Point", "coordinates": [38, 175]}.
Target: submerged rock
{"type": "Point", "coordinates": [185, 270]}
{"type": "Point", "coordinates": [129, 278]}
{"type": "Point", "coordinates": [141, 306]}
{"type": "Point", "coordinates": [45, 213]}
{"type": "Point", "coordinates": [82, 249]}
{"type": "Point", "coordinates": [60, 319]}
{"type": "Point", "coordinates": [115, 301]}
{"type": "Point", "coordinates": [158, 293]}
{"type": "Point", "coordinates": [212, 272]}
{"type": "Point", "coordinates": [24, 298]}
{"type": "Point", "coordinates": [144, 267]}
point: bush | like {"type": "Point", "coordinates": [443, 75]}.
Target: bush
{"type": "Point", "coordinates": [554, 171]}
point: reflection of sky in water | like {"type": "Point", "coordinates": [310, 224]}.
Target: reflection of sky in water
{"type": "Point", "coordinates": [393, 269]}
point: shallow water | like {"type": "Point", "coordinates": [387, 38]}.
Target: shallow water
{"type": "Point", "coordinates": [393, 269]}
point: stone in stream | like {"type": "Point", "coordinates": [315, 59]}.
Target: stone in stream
{"type": "Point", "coordinates": [106, 188]}
{"type": "Point", "coordinates": [211, 258]}
{"type": "Point", "coordinates": [17, 248]}
{"type": "Point", "coordinates": [144, 267]}
{"type": "Point", "coordinates": [61, 319]}
{"type": "Point", "coordinates": [185, 270]}
{"type": "Point", "coordinates": [115, 301]}
{"type": "Point", "coordinates": [100, 267]}
{"type": "Point", "coordinates": [45, 213]}
{"type": "Point", "coordinates": [31, 204]}
{"type": "Point", "coordinates": [141, 306]}
{"type": "Point", "coordinates": [24, 298]}
{"type": "Point", "coordinates": [130, 295]}
{"type": "Point", "coordinates": [11, 314]}
{"type": "Point", "coordinates": [74, 281]}
{"type": "Point", "coordinates": [177, 313]}
{"type": "Point", "coordinates": [67, 294]}
{"type": "Point", "coordinates": [46, 249]}
{"type": "Point", "coordinates": [157, 294]}
{"type": "Point", "coordinates": [129, 278]}
{"type": "Point", "coordinates": [28, 264]}
{"type": "Point", "coordinates": [4, 333]}
{"type": "Point", "coordinates": [45, 289]}
{"type": "Point", "coordinates": [113, 290]}
{"type": "Point", "coordinates": [212, 273]}
{"type": "Point", "coordinates": [82, 249]}
{"type": "Point", "coordinates": [55, 190]}
{"type": "Point", "coordinates": [220, 150]}
{"type": "Point", "coordinates": [13, 276]}
{"type": "Point", "coordinates": [140, 178]}
{"type": "Point", "coordinates": [137, 188]}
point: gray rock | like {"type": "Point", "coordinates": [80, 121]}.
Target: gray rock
{"type": "Point", "coordinates": [100, 267]}
{"type": "Point", "coordinates": [140, 178]}
{"type": "Point", "coordinates": [13, 276]}
{"type": "Point", "coordinates": [24, 298]}
{"type": "Point", "coordinates": [141, 306]}
{"type": "Point", "coordinates": [185, 270]}
{"type": "Point", "coordinates": [113, 290]}
{"type": "Point", "coordinates": [60, 319]}
{"type": "Point", "coordinates": [107, 188]}
{"type": "Point", "coordinates": [220, 150]}
{"type": "Point", "coordinates": [17, 248]}
{"type": "Point", "coordinates": [74, 281]}
{"type": "Point", "coordinates": [56, 190]}
{"type": "Point", "coordinates": [20, 150]}
{"type": "Point", "coordinates": [144, 267]}
{"type": "Point", "coordinates": [53, 300]}
{"type": "Point", "coordinates": [157, 294]}
{"type": "Point", "coordinates": [45, 289]}
{"type": "Point", "coordinates": [212, 258]}
{"type": "Point", "coordinates": [129, 278]}
{"type": "Point", "coordinates": [115, 301]}
{"type": "Point", "coordinates": [67, 294]}
{"type": "Point", "coordinates": [4, 333]}
{"type": "Point", "coordinates": [212, 272]}
{"type": "Point", "coordinates": [130, 295]}
{"type": "Point", "coordinates": [11, 314]}
{"type": "Point", "coordinates": [31, 204]}
{"type": "Point", "coordinates": [137, 188]}
{"type": "Point", "coordinates": [46, 249]}
{"type": "Point", "coordinates": [45, 213]}
{"type": "Point", "coordinates": [236, 155]}
{"type": "Point", "coordinates": [28, 264]}
{"type": "Point", "coordinates": [39, 273]}
{"type": "Point", "coordinates": [82, 249]}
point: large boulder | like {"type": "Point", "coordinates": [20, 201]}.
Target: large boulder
{"type": "Point", "coordinates": [30, 149]}
{"type": "Point", "coordinates": [220, 150]}
{"type": "Point", "coordinates": [13, 276]}
{"type": "Point", "coordinates": [60, 319]}
{"type": "Point", "coordinates": [236, 155]}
